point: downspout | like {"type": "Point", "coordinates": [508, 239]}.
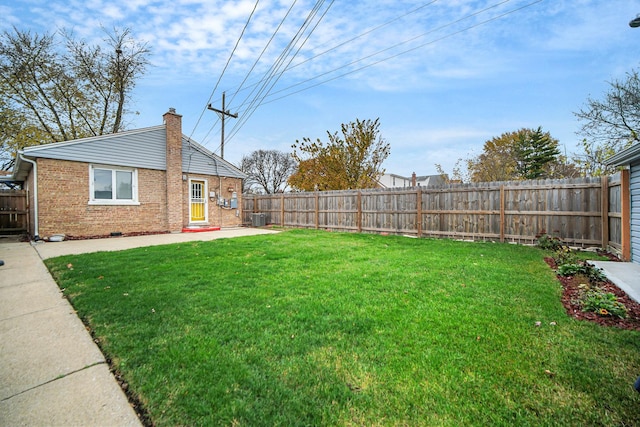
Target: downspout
{"type": "Point", "coordinates": [36, 236]}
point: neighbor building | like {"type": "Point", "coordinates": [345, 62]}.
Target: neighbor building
{"type": "Point", "coordinates": [389, 180]}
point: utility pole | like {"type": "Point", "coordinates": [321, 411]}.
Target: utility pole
{"type": "Point", "coordinates": [222, 113]}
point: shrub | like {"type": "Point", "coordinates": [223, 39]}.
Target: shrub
{"type": "Point", "coordinates": [594, 274]}
{"type": "Point", "coordinates": [564, 255]}
{"type": "Point", "coordinates": [547, 242]}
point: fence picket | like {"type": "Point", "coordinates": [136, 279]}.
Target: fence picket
{"type": "Point", "coordinates": [580, 211]}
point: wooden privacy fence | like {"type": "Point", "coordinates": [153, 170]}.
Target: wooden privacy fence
{"type": "Point", "coordinates": [576, 210]}
{"type": "Point", "coordinates": [13, 211]}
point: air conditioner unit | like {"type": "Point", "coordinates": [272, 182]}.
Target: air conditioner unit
{"type": "Point", "coordinates": [258, 220]}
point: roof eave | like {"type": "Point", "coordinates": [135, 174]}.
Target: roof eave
{"type": "Point", "coordinates": [624, 157]}
{"type": "Point", "coordinates": [195, 145]}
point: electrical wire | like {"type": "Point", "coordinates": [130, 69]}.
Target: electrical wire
{"type": "Point", "coordinates": [364, 34]}
{"type": "Point", "coordinates": [263, 101]}
{"type": "Point", "coordinates": [262, 98]}
{"type": "Point", "coordinates": [279, 64]}
{"type": "Point", "coordinates": [369, 31]}
{"type": "Point", "coordinates": [255, 6]}
{"type": "Point", "coordinates": [252, 67]}
{"type": "Point", "coordinates": [273, 78]}
{"type": "Point", "coordinates": [392, 56]}
{"type": "Point", "coordinates": [401, 44]}
{"type": "Point", "coordinates": [263, 51]}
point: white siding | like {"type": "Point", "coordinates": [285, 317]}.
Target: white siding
{"type": "Point", "coordinates": [634, 184]}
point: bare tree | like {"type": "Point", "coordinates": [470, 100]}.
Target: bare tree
{"type": "Point", "coordinates": [609, 125]}
{"type": "Point", "coordinates": [65, 89]}
{"type": "Point", "coordinates": [267, 170]}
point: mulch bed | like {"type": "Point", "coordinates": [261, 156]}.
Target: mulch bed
{"type": "Point", "coordinates": [570, 298]}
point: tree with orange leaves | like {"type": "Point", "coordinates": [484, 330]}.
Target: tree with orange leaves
{"type": "Point", "coordinates": [350, 160]}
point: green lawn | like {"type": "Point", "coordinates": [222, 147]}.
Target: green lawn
{"type": "Point", "coordinates": [318, 328]}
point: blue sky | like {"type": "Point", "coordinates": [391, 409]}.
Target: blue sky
{"type": "Point", "coordinates": [442, 76]}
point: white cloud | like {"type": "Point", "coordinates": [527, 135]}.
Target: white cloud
{"type": "Point", "coordinates": [529, 66]}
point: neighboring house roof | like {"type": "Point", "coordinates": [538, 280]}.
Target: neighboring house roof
{"type": "Point", "coordinates": [625, 157]}
{"type": "Point", "coordinates": [393, 175]}
{"type": "Point", "coordinates": [387, 180]}
{"type": "Point", "coordinates": [430, 180]}
{"type": "Point", "coordinates": [140, 148]}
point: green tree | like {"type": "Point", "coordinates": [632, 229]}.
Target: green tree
{"type": "Point", "coordinates": [524, 154]}
{"type": "Point", "coordinates": [609, 125]}
{"type": "Point", "coordinates": [534, 151]}
{"type": "Point", "coordinates": [55, 88]}
{"type": "Point", "coordinates": [350, 160]}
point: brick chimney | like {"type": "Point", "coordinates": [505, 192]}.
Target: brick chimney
{"type": "Point", "coordinates": [413, 179]}
{"type": "Point", "coordinates": [173, 125]}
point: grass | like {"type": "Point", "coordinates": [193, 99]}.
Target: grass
{"type": "Point", "coordinates": [318, 328]}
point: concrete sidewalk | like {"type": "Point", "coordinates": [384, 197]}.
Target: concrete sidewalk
{"type": "Point", "coordinates": [625, 275]}
{"type": "Point", "coordinates": [51, 371]}
{"type": "Point", "coordinates": [72, 247]}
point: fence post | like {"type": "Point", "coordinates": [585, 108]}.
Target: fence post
{"type": "Point", "coordinates": [604, 185]}
{"type": "Point", "coordinates": [282, 210]}
{"type": "Point", "coordinates": [502, 213]}
{"type": "Point", "coordinates": [359, 214]}
{"type": "Point", "coordinates": [419, 211]}
{"type": "Point", "coordinates": [317, 212]}
{"type": "Point", "coordinates": [625, 209]}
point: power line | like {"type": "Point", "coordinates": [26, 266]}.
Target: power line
{"type": "Point", "coordinates": [246, 115]}
{"type": "Point", "coordinates": [369, 31]}
{"type": "Point", "coordinates": [255, 6]}
{"type": "Point", "coordinates": [253, 67]}
{"type": "Point", "coordinates": [403, 52]}
{"type": "Point", "coordinates": [364, 34]}
{"type": "Point", "coordinates": [264, 50]}
{"type": "Point", "coordinates": [282, 55]}
{"type": "Point", "coordinates": [248, 112]}
{"type": "Point", "coordinates": [273, 79]}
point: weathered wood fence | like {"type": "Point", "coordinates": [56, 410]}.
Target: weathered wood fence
{"type": "Point", "coordinates": [13, 211]}
{"type": "Point", "coordinates": [581, 211]}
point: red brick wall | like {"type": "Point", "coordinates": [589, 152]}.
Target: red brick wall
{"type": "Point", "coordinates": [174, 186]}
{"type": "Point", "coordinates": [63, 203]}
{"type": "Point", "coordinates": [63, 196]}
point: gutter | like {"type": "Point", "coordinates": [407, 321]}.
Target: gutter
{"type": "Point", "coordinates": [625, 156]}
{"type": "Point", "coordinates": [36, 233]}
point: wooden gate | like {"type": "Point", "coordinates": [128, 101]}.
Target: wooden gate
{"type": "Point", "coordinates": [14, 212]}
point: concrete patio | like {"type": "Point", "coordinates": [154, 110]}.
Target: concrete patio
{"type": "Point", "coordinates": [625, 275]}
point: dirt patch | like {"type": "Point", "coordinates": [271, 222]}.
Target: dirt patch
{"type": "Point", "coordinates": [570, 300]}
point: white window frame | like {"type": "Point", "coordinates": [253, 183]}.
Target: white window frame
{"type": "Point", "coordinates": [114, 201]}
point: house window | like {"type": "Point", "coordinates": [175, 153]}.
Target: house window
{"type": "Point", "coordinates": [115, 186]}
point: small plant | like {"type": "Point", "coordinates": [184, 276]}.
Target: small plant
{"type": "Point", "coordinates": [595, 300]}
{"type": "Point", "coordinates": [570, 269]}
{"type": "Point", "coordinates": [547, 242]}
{"type": "Point", "coordinates": [594, 274]}
{"type": "Point", "coordinates": [564, 255]}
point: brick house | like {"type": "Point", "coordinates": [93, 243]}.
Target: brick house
{"type": "Point", "coordinates": [150, 180]}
